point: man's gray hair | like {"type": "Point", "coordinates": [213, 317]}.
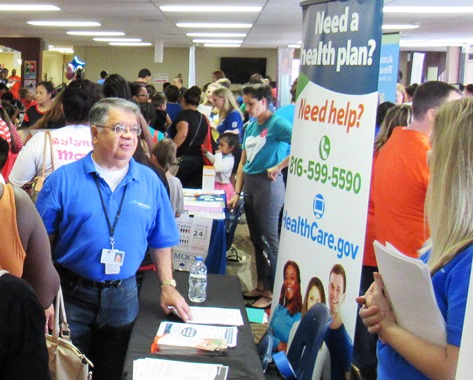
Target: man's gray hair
{"type": "Point", "coordinates": [99, 113]}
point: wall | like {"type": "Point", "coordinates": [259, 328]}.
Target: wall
{"type": "Point", "coordinates": [30, 49]}
{"type": "Point", "coordinates": [468, 72]}
{"type": "Point", "coordinates": [432, 58]}
{"type": "Point", "coordinates": [53, 67]}
{"type": "Point", "coordinates": [127, 61]}
{"type": "Point", "coordinates": [11, 61]}
{"type": "Point", "coordinates": [6, 59]}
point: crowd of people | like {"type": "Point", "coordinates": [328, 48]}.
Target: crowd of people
{"type": "Point", "coordinates": [127, 150]}
{"type": "Point", "coordinates": [94, 143]}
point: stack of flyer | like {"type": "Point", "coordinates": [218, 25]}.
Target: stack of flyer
{"type": "Point", "coordinates": [200, 334]}
{"type": "Point", "coordinates": [192, 338]}
{"type": "Point", "coordinates": [205, 203]}
{"type": "Point", "coordinates": [160, 369]}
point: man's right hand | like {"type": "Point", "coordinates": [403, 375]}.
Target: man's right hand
{"type": "Point", "coordinates": [170, 297]}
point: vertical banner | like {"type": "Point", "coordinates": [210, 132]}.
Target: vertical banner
{"type": "Point", "coordinates": [417, 67]}
{"type": "Point", "coordinates": [324, 218]}
{"type": "Point", "coordinates": [191, 81]}
{"type": "Point", "coordinates": [388, 67]}
{"type": "Point", "coordinates": [285, 57]}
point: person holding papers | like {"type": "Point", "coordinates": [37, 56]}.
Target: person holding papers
{"type": "Point", "coordinates": [401, 354]}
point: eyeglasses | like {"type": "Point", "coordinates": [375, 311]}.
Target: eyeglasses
{"type": "Point", "coordinates": [147, 95]}
{"type": "Point", "coordinates": [121, 129]}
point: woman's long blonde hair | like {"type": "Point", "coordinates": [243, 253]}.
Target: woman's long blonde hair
{"type": "Point", "coordinates": [229, 104]}
{"type": "Point", "coordinates": [397, 116]}
{"type": "Point", "coordinates": [449, 200]}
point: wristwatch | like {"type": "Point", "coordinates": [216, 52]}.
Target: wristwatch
{"type": "Point", "coordinates": [168, 283]}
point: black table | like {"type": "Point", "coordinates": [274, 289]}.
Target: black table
{"type": "Point", "coordinates": [222, 291]}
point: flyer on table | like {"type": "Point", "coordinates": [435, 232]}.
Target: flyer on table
{"type": "Point", "coordinates": [324, 218]}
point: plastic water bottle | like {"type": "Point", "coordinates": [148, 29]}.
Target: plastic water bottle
{"type": "Point", "coordinates": [198, 281]}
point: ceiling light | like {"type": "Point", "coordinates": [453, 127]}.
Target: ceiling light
{"type": "Point", "coordinates": [207, 41]}
{"type": "Point", "coordinates": [425, 44]}
{"type": "Point", "coordinates": [420, 9]}
{"type": "Point", "coordinates": [94, 33]}
{"type": "Point", "coordinates": [208, 8]}
{"type": "Point", "coordinates": [130, 43]}
{"type": "Point", "coordinates": [62, 50]}
{"type": "Point", "coordinates": [399, 26]}
{"type": "Point", "coordinates": [294, 46]}
{"type": "Point", "coordinates": [64, 23]}
{"type": "Point", "coordinates": [100, 39]}
{"type": "Point", "coordinates": [211, 25]}
{"type": "Point", "coordinates": [222, 45]}
{"type": "Point", "coordinates": [216, 35]}
{"type": "Point", "coordinates": [28, 7]}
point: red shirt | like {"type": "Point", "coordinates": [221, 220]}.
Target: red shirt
{"type": "Point", "coordinates": [401, 176]}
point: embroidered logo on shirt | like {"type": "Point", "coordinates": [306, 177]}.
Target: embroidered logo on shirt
{"type": "Point", "coordinates": [141, 205]}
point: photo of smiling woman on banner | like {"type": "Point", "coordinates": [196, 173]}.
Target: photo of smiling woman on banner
{"type": "Point", "coordinates": [288, 311]}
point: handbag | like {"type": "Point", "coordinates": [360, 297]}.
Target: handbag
{"type": "Point", "coordinates": [34, 186]}
{"type": "Point", "coordinates": [65, 360]}
{"type": "Point", "coordinates": [174, 169]}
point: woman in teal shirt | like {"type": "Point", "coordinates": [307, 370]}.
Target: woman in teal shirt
{"type": "Point", "coordinates": [263, 151]}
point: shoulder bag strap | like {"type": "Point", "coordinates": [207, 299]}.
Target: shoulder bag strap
{"type": "Point", "coordinates": [195, 135]}
{"type": "Point", "coordinates": [61, 328]}
{"type": "Point", "coordinates": [45, 149]}
{"type": "Point", "coordinates": [51, 151]}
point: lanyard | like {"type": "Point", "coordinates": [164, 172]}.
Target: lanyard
{"type": "Point", "coordinates": [111, 227]}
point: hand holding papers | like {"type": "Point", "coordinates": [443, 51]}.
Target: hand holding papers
{"type": "Point", "coordinates": [408, 287]}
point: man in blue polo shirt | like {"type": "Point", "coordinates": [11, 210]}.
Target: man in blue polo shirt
{"type": "Point", "coordinates": [101, 207]}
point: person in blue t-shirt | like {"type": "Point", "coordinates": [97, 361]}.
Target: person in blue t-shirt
{"type": "Point", "coordinates": [172, 107]}
{"type": "Point", "coordinates": [402, 354]}
{"type": "Point", "coordinates": [95, 208]}
{"type": "Point", "coordinates": [264, 153]}
{"type": "Point", "coordinates": [230, 118]}
{"type": "Point", "coordinates": [288, 310]}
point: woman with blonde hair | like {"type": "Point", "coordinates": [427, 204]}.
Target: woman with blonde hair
{"type": "Point", "coordinates": [397, 116]}
{"type": "Point", "coordinates": [229, 115]}
{"type": "Point", "coordinates": [401, 94]}
{"type": "Point", "coordinates": [449, 209]}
